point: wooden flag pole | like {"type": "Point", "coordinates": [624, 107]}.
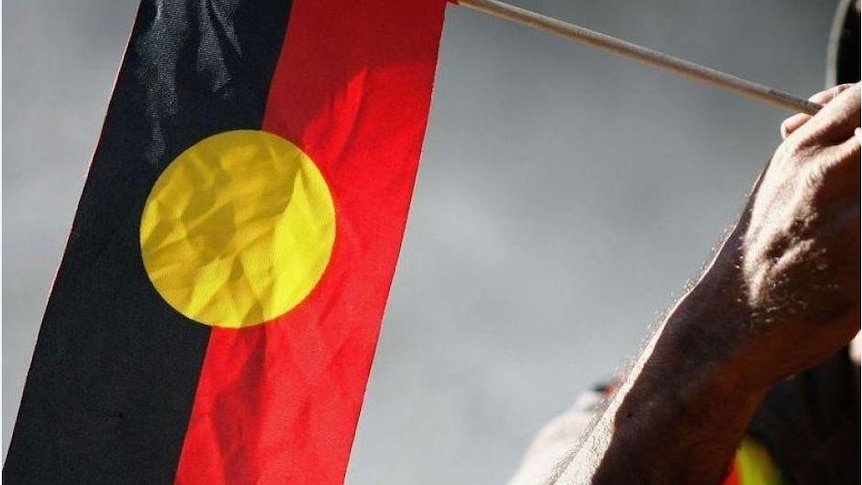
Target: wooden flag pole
{"type": "Point", "coordinates": [643, 54]}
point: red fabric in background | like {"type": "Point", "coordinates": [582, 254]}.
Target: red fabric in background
{"type": "Point", "coordinates": [279, 403]}
{"type": "Point", "coordinates": [733, 476]}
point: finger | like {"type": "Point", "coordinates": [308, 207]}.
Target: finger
{"type": "Point", "coordinates": [839, 166]}
{"type": "Point", "coordinates": [851, 148]}
{"type": "Point", "coordinates": [793, 123]}
{"type": "Point", "coordinates": [835, 123]}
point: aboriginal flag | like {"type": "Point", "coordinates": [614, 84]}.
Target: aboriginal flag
{"type": "Point", "coordinates": [216, 312]}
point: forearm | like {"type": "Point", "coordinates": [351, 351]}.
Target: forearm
{"type": "Point", "coordinates": [782, 295]}
{"type": "Point", "coordinates": [682, 411]}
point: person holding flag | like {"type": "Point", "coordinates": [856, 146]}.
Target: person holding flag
{"type": "Point", "coordinates": [749, 380]}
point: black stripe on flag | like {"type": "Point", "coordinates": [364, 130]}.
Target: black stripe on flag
{"type": "Point", "coordinates": [114, 373]}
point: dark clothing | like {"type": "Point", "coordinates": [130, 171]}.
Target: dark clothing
{"type": "Point", "coordinates": [810, 423]}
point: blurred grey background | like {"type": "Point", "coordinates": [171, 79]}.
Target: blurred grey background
{"type": "Point", "coordinates": [565, 198]}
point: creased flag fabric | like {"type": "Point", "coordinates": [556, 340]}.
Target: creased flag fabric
{"type": "Point", "coordinates": [217, 309]}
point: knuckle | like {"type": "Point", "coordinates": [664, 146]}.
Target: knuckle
{"type": "Point", "coordinates": [796, 150]}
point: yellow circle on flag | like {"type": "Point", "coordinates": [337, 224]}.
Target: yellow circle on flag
{"type": "Point", "coordinates": [238, 229]}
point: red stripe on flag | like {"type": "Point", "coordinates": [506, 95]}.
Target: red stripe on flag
{"type": "Point", "coordinates": [278, 403]}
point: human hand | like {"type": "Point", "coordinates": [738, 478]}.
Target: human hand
{"type": "Point", "coordinates": [792, 123]}
{"type": "Point", "coordinates": [794, 257]}
{"type": "Point", "coordinates": [781, 295]}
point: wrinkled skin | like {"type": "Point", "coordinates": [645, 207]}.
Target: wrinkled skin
{"type": "Point", "coordinates": [781, 295]}
{"type": "Point", "coordinates": [797, 244]}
